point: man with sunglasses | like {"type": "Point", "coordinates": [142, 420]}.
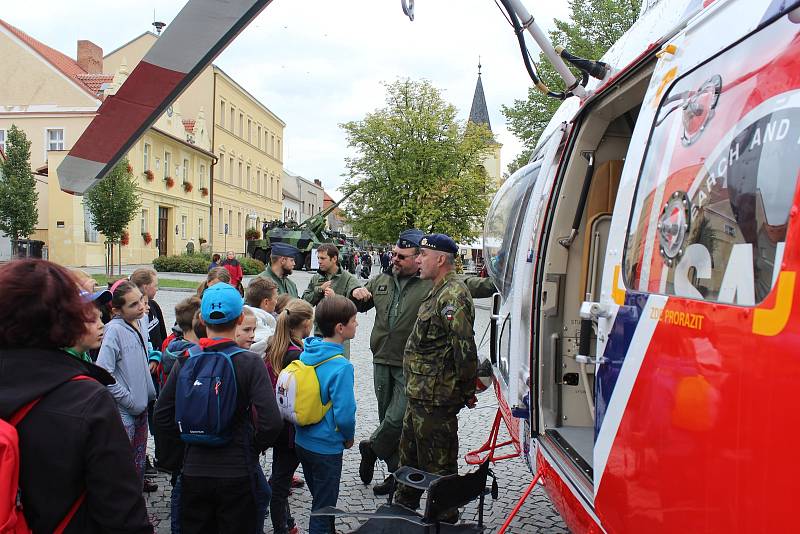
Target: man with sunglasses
{"type": "Point", "coordinates": [396, 297]}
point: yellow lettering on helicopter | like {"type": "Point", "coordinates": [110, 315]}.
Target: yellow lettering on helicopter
{"type": "Point", "coordinates": [772, 321]}
{"type": "Point", "coordinates": [665, 81]}
{"type": "Point", "coordinates": [678, 318]}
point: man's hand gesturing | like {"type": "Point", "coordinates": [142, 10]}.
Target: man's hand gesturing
{"type": "Point", "coordinates": [361, 293]}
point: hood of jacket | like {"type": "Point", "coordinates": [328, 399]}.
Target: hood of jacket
{"type": "Point", "coordinates": [29, 373]}
{"type": "Point", "coordinates": [315, 350]}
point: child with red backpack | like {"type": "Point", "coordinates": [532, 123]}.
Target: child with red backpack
{"type": "Point", "coordinates": [66, 466]}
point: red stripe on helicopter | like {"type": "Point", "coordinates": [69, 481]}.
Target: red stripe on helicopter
{"type": "Point", "coordinates": [123, 114]}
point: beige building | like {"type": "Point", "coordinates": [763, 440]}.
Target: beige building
{"type": "Point", "coordinates": [302, 197]}
{"type": "Point", "coordinates": [53, 98]}
{"type": "Point", "coordinates": [247, 139]}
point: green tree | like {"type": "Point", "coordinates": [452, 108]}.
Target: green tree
{"type": "Point", "coordinates": [593, 27]}
{"type": "Point", "coordinates": [113, 203]}
{"type": "Point", "coordinates": [18, 196]}
{"type": "Point", "coordinates": [416, 166]}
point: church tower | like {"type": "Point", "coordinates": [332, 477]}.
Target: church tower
{"type": "Point", "coordinates": [479, 114]}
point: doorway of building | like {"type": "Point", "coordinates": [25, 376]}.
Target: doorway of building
{"type": "Point", "coordinates": [163, 216]}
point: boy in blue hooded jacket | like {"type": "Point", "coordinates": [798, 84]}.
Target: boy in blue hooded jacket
{"type": "Point", "coordinates": [319, 446]}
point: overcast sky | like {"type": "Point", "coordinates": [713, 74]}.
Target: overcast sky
{"type": "Point", "coordinates": [318, 63]}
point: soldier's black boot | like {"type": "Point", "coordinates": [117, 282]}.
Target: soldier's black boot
{"type": "Point", "coordinates": [385, 487]}
{"type": "Point", "coordinates": [368, 458]}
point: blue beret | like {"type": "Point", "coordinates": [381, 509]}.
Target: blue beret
{"type": "Point", "coordinates": [409, 238]}
{"type": "Point", "coordinates": [440, 242]}
{"type": "Point", "coordinates": [284, 249]}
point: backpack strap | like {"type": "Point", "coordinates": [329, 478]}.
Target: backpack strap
{"type": "Point", "coordinates": [229, 351]}
{"type": "Point", "coordinates": [329, 359]}
{"type": "Point", "coordinates": [19, 415]}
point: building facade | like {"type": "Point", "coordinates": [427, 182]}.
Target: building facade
{"type": "Point", "coordinates": [53, 98]}
{"type": "Point", "coordinates": [247, 141]}
{"type": "Point", "coordinates": [302, 198]}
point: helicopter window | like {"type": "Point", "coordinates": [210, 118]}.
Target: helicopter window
{"type": "Point", "coordinates": [503, 225]}
{"type": "Point", "coordinates": [719, 176]}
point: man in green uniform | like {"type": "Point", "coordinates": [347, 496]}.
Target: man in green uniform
{"type": "Point", "coordinates": [330, 280]}
{"type": "Point", "coordinates": [397, 298]}
{"type": "Point", "coordinates": [440, 366]}
{"type": "Point", "coordinates": [281, 265]}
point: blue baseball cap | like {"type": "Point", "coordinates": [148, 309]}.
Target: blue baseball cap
{"type": "Point", "coordinates": [409, 238]}
{"type": "Point", "coordinates": [221, 304]}
{"type": "Point", "coordinates": [284, 249]}
{"type": "Point", "coordinates": [99, 298]}
{"type": "Point", "coordinates": [440, 242]}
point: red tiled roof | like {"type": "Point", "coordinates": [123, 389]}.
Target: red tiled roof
{"type": "Point", "coordinates": [188, 125]}
{"type": "Point", "coordinates": [327, 198]}
{"type": "Point", "coordinates": [68, 66]}
{"type": "Point", "coordinates": [95, 81]}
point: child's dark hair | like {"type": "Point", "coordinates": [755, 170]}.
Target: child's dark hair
{"type": "Point", "coordinates": [118, 297]}
{"type": "Point", "coordinates": [259, 289]}
{"type": "Point", "coordinates": [332, 311]}
{"type": "Point", "coordinates": [215, 258]}
{"type": "Point", "coordinates": [198, 326]}
{"type": "Point", "coordinates": [185, 311]}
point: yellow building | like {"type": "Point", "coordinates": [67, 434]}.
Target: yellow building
{"type": "Point", "coordinates": [53, 98]}
{"type": "Point", "coordinates": [247, 139]}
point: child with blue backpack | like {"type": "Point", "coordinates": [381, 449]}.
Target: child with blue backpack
{"type": "Point", "coordinates": [319, 446]}
{"type": "Point", "coordinates": [218, 400]}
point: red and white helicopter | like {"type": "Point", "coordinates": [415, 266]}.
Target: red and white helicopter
{"type": "Point", "coordinates": [645, 342]}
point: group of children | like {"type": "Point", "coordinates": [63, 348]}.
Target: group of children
{"type": "Point", "coordinates": [223, 488]}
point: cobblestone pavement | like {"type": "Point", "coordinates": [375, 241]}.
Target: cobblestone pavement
{"type": "Point", "coordinates": [536, 515]}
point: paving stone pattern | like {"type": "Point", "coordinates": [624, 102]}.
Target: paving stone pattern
{"type": "Point", "coordinates": [513, 476]}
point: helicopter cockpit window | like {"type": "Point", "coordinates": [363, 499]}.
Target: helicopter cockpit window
{"type": "Point", "coordinates": [719, 176]}
{"type": "Point", "coordinates": [503, 225]}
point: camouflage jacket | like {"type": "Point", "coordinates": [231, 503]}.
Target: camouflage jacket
{"type": "Point", "coordinates": [284, 284]}
{"type": "Point", "coordinates": [397, 303]}
{"type": "Point", "coordinates": [342, 283]}
{"type": "Point", "coordinates": [441, 360]}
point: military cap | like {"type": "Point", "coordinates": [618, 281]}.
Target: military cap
{"type": "Point", "coordinates": [284, 249]}
{"type": "Point", "coordinates": [409, 238]}
{"type": "Point", "coordinates": [440, 242]}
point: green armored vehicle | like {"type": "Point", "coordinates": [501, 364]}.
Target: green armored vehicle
{"type": "Point", "coordinates": [306, 236]}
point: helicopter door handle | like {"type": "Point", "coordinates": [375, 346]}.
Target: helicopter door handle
{"type": "Point", "coordinates": [600, 360]}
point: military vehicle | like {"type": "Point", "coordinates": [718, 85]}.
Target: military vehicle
{"type": "Point", "coordinates": [306, 236]}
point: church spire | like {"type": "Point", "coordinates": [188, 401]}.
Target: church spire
{"type": "Point", "coordinates": [479, 114]}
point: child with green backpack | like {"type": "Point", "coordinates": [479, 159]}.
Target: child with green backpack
{"type": "Point", "coordinates": [319, 446]}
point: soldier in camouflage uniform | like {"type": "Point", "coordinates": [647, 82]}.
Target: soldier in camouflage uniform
{"type": "Point", "coordinates": [440, 366]}
{"type": "Point", "coordinates": [331, 280]}
{"type": "Point", "coordinates": [397, 298]}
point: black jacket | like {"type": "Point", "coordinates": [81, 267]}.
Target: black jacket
{"type": "Point", "coordinates": [256, 424]}
{"type": "Point", "coordinates": [158, 330]}
{"type": "Point", "coordinates": [72, 441]}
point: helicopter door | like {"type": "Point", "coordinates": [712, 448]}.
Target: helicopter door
{"type": "Point", "coordinates": [510, 236]}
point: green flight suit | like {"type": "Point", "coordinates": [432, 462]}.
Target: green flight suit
{"type": "Point", "coordinates": [342, 283]}
{"type": "Point", "coordinates": [440, 366]}
{"type": "Point", "coordinates": [285, 285]}
{"type": "Point", "coordinates": [397, 302]}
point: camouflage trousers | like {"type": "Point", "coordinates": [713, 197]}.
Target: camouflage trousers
{"type": "Point", "coordinates": [429, 442]}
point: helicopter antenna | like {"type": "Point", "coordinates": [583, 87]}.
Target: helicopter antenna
{"type": "Point", "coordinates": [408, 8]}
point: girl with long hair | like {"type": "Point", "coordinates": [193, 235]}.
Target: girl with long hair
{"type": "Point", "coordinates": [124, 354]}
{"type": "Point", "coordinates": [295, 323]}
